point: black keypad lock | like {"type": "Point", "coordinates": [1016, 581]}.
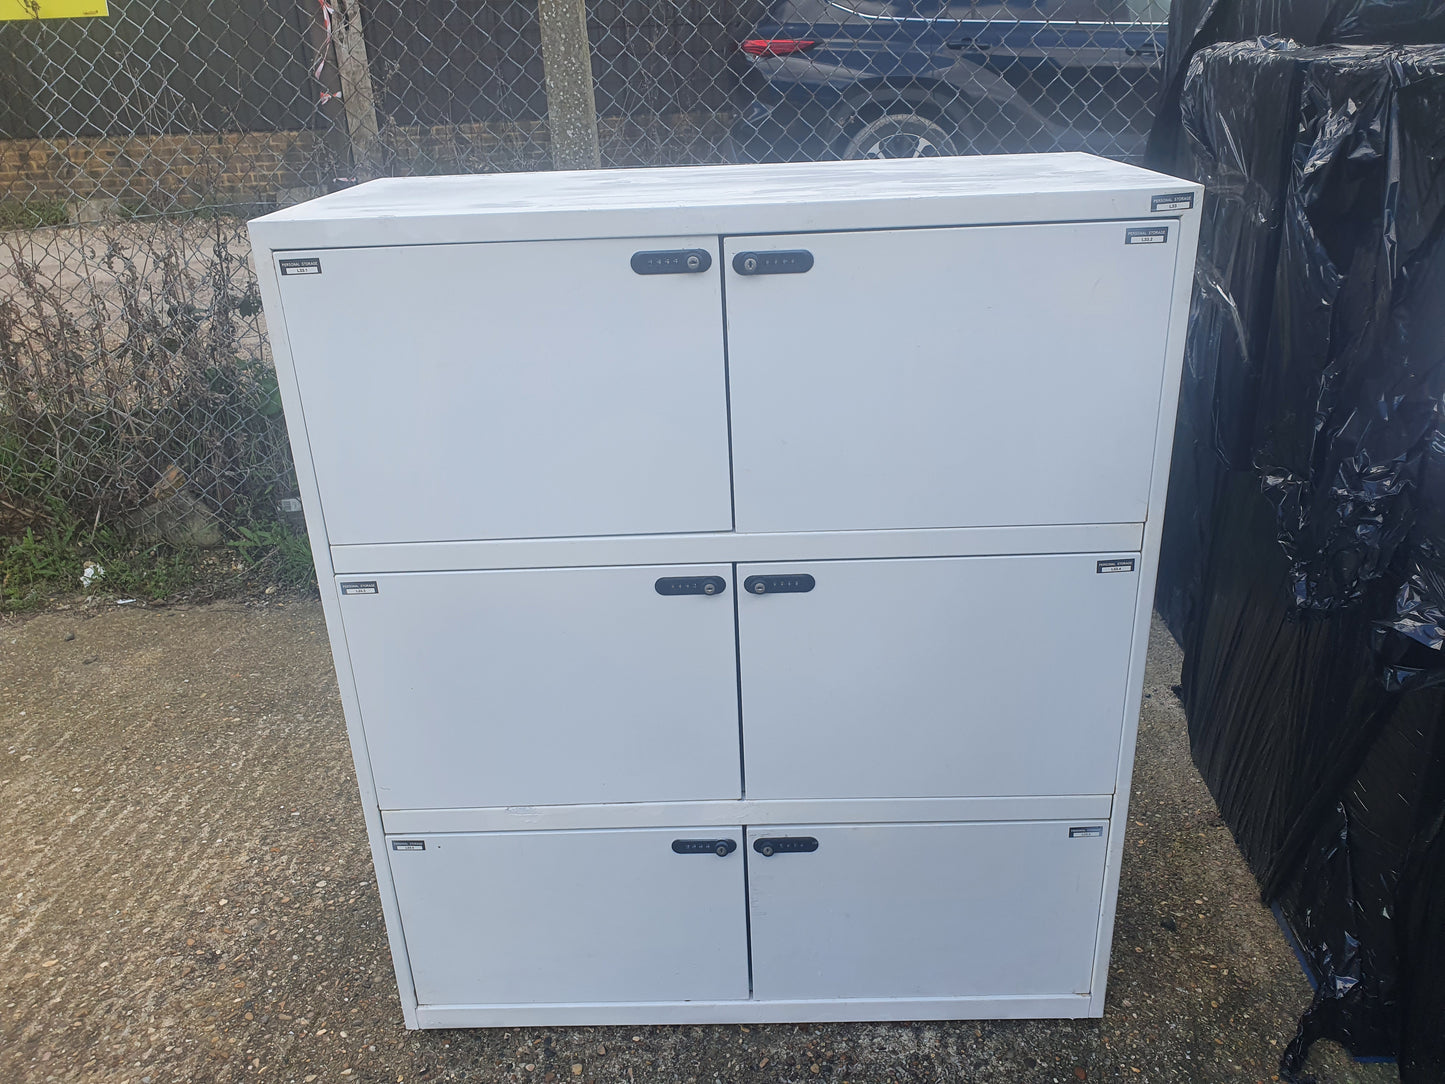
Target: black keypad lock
{"type": "Point", "coordinates": [691, 585]}
{"type": "Point", "coordinates": [677, 261]}
{"type": "Point", "coordinates": [779, 585]}
{"type": "Point", "coordinates": [786, 262]}
{"type": "Point", "coordinates": [767, 846]}
{"type": "Point", "coordinates": [720, 847]}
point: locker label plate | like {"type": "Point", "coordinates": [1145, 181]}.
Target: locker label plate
{"type": "Point", "coordinates": [1125, 564]}
{"type": "Point", "coordinates": [1146, 235]}
{"type": "Point", "coordinates": [359, 587]}
{"type": "Point", "coordinates": [310, 265]}
{"type": "Point", "coordinates": [408, 844]}
{"type": "Point", "coordinates": [1172, 201]}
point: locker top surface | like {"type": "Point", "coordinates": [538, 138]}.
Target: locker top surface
{"type": "Point", "coordinates": [733, 199]}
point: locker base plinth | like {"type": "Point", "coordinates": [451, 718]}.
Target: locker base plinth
{"type": "Point", "coordinates": [1060, 1007]}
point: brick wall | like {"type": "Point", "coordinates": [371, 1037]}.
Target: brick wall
{"type": "Point", "coordinates": [161, 171]}
{"type": "Point", "coordinates": [169, 171]}
{"type": "Point", "coordinates": [166, 171]}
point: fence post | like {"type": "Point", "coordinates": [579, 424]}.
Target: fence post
{"type": "Point", "coordinates": [567, 64]}
{"type": "Point", "coordinates": [357, 99]}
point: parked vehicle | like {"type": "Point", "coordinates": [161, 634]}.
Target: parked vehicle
{"type": "Point", "coordinates": [910, 78]}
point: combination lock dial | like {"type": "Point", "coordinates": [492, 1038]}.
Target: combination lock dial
{"type": "Point", "coordinates": [783, 262]}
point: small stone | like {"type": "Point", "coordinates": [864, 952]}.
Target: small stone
{"type": "Point", "coordinates": [1169, 924]}
{"type": "Point", "coordinates": [576, 1068]}
{"type": "Point", "coordinates": [69, 636]}
{"type": "Point", "coordinates": [1081, 1072]}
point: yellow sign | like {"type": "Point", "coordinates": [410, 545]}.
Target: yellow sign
{"type": "Point", "coordinates": [52, 9]}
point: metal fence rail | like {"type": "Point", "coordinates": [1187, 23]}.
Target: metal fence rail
{"type": "Point", "coordinates": [135, 386]}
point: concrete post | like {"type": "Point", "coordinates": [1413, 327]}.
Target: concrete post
{"type": "Point", "coordinates": [571, 105]}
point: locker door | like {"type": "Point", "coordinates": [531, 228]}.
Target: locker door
{"type": "Point", "coordinates": [935, 677]}
{"type": "Point", "coordinates": [506, 918]}
{"type": "Point", "coordinates": [925, 910]}
{"type": "Point", "coordinates": [546, 686]}
{"type": "Point", "coordinates": [511, 390]}
{"type": "Point", "coordinates": [979, 376]}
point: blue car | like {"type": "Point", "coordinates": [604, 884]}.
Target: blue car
{"type": "Point", "coordinates": [910, 78]}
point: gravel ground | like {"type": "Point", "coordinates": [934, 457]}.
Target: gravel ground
{"type": "Point", "coordinates": [188, 897]}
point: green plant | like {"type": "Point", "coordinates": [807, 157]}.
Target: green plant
{"type": "Point", "coordinates": [31, 214]}
{"type": "Point", "coordinates": [35, 559]}
{"type": "Point", "coordinates": [53, 561]}
{"type": "Point", "coordinates": [43, 563]}
{"type": "Point", "coordinates": [281, 554]}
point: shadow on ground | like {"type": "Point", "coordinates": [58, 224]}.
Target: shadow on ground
{"type": "Point", "coordinates": [188, 896]}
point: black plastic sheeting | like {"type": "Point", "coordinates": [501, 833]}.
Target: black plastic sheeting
{"type": "Point", "coordinates": [1197, 24]}
{"type": "Point", "coordinates": [1304, 557]}
{"type": "Point", "coordinates": [1239, 150]}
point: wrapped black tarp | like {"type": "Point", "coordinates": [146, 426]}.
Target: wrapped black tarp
{"type": "Point", "coordinates": [1238, 149]}
{"type": "Point", "coordinates": [1304, 563]}
{"type": "Point", "coordinates": [1197, 24]}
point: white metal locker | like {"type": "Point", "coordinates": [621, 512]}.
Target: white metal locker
{"type": "Point", "coordinates": [925, 910]}
{"type": "Point", "coordinates": [553, 431]}
{"type": "Point", "coordinates": [545, 686]}
{"type": "Point", "coordinates": [936, 677]}
{"type": "Point", "coordinates": [948, 378]}
{"type": "Point", "coordinates": [567, 917]}
{"type": "Point", "coordinates": [510, 390]}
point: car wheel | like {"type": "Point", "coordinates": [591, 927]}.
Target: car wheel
{"type": "Point", "coordinates": [899, 135]}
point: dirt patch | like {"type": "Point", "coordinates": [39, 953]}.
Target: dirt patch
{"type": "Point", "coordinates": [188, 896]}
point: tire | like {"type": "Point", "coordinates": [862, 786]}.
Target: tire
{"type": "Point", "coordinates": [899, 135]}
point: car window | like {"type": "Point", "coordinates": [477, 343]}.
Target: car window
{"type": "Point", "coordinates": [949, 9]}
{"type": "Point", "coordinates": [1032, 10]}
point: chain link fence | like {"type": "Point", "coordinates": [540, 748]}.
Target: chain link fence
{"type": "Point", "coordinates": [135, 384]}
